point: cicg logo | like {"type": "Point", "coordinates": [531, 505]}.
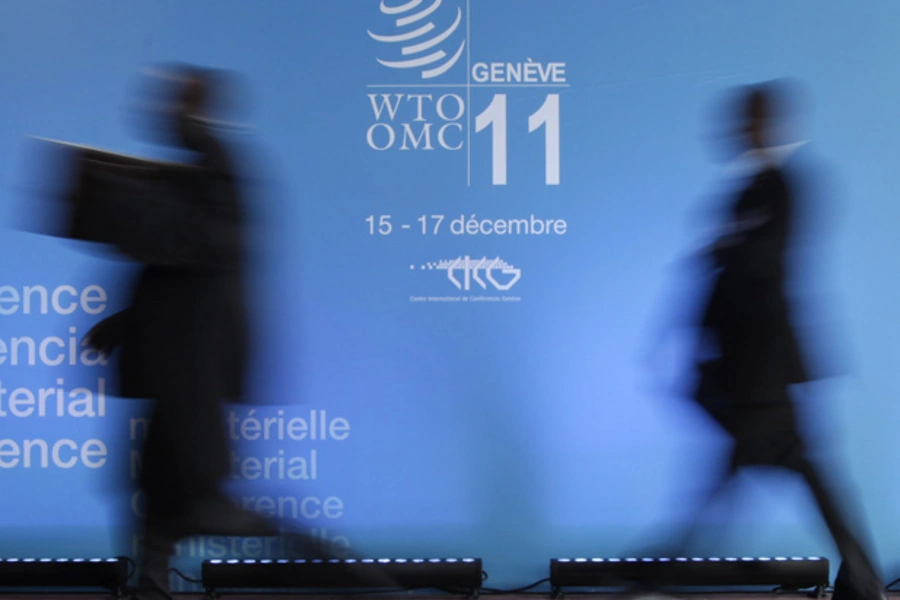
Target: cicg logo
{"type": "Point", "coordinates": [465, 271]}
{"type": "Point", "coordinates": [418, 42]}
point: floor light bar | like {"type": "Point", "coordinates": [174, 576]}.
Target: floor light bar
{"type": "Point", "coordinates": [383, 573]}
{"type": "Point", "coordinates": [791, 573]}
{"type": "Point", "coordinates": [106, 573]}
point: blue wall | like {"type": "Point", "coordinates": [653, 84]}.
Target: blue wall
{"type": "Point", "coordinates": [515, 430]}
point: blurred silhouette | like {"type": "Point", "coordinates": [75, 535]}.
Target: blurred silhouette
{"type": "Point", "coordinates": [747, 351]}
{"type": "Point", "coordinates": [184, 338]}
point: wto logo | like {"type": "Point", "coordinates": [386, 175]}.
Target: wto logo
{"type": "Point", "coordinates": [420, 48]}
{"type": "Point", "coordinates": [463, 271]}
{"type": "Point", "coordinates": [438, 100]}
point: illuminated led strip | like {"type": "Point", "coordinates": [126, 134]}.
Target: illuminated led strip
{"type": "Point", "coordinates": [789, 572]}
{"type": "Point", "coordinates": [106, 573]}
{"type": "Point", "coordinates": [374, 573]}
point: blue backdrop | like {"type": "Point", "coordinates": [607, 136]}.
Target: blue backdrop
{"type": "Point", "coordinates": [466, 245]}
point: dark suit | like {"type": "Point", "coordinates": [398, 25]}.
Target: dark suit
{"type": "Point", "coordinates": [184, 337]}
{"type": "Point", "coordinates": [758, 356]}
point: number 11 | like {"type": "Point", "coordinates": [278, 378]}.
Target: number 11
{"type": "Point", "coordinates": [547, 115]}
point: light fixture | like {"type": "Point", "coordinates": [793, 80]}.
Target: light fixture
{"type": "Point", "coordinates": [463, 574]}
{"type": "Point", "coordinates": [102, 573]}
{"type": "Point", "coordinates": [794, 573]}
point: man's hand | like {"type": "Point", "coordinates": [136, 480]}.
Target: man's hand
{"type": "Point", "coordinates": [106, 335]}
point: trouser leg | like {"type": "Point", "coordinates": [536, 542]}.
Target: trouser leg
{"type": "Point", "coordinates": [153, 578]}
{"type": "Point", "coordinates": [857, 577]}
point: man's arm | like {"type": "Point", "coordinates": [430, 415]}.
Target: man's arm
{"type": "Point", "coordinates": [174, 216]}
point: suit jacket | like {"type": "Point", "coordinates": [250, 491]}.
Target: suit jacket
{"type": "Point", "coordinates": [186, 327]}
{"type": "Point", "coordinates": [747, 311]}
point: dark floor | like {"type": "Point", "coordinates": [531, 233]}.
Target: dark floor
{"type": "Point", "coordinates": [405, 596]}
